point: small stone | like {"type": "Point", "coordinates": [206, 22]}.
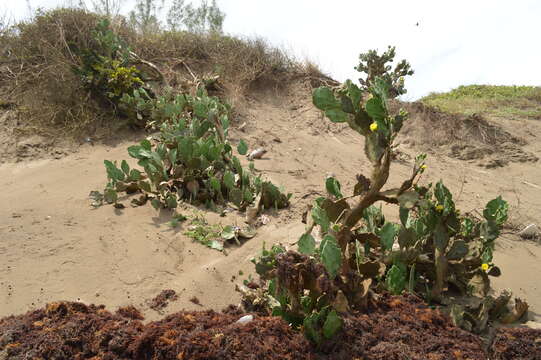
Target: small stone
{"type": "Point", "coordinates": [245, 319]}
{"type": "Point", "coordinates": [530, 232]}
{"type": "Point", "coordinates": [257, 154]}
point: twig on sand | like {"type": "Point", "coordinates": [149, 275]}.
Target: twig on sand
{"type": "Point", "coordinates": [532, 185]}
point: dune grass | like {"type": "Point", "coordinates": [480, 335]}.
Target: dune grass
{"type": "Point", "coordinates": [510, 102]}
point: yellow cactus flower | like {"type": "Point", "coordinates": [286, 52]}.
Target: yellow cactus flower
{"type": "Point", "coordinates": [484, 267]}
{"type": "Point", "coordinates": [423, 167]}
{"type": "Point", "coordinates": [373, 127]}
{"type": "Point", "coordinates": [439, 208]}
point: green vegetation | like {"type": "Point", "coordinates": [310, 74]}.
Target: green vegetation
{"type": "Point", "coordinates": [510, 102]}
{"type": "Point", "coordinates": [79, 73]}
{"type": "Point", "coordinates": [489, 92]}
{"type": "Point", "coordinates": [371, 63]}
{"type": "Point", "coordinates": [107, 69]}
{"type": "Point", "coordinates": [42, 53]}
{"type": "Point", "coordinates": [215, 236]}
{"type": "Point", "coordinates": [190, 159]}
{"type": "Point", "coordinates": [434, 252]}
{"type": "Point", "coordinates": [202, 232]}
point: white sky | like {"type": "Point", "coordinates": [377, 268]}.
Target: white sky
{"type": "Point", "coordinates": [457, 42]}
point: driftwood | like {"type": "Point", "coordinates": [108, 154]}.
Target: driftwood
{"type": "Point", "coordinates": [135, 59]}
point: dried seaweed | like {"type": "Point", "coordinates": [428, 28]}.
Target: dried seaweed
{"type": "Point", "coordinates": [393, 327]}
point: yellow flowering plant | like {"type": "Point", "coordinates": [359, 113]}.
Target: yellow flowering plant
{"type": "Point", "coordinates": [107, 71]}
{"type": "Point", "coordinates": [484, 266]}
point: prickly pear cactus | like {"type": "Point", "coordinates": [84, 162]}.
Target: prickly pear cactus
{"type": "Point", "coordinates": [190, 160]}
{"type": "Point", "coordinates": [434, 252]}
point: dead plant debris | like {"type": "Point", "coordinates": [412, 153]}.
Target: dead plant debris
{"type": "Point", "coordinates": [162, 300]}
{"type": "Point", "coordinates": [393, 328]}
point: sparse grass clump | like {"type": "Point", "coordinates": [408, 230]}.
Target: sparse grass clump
{"type": "Point", "coordinates": [209, 235]}
{"type": "Point", "coordinates": [500, 101]}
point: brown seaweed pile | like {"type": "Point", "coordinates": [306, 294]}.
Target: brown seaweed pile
{"type": "Point", "coordinates": [394, 328]}
{"type": "Point", "coordinates": [516, 343]}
